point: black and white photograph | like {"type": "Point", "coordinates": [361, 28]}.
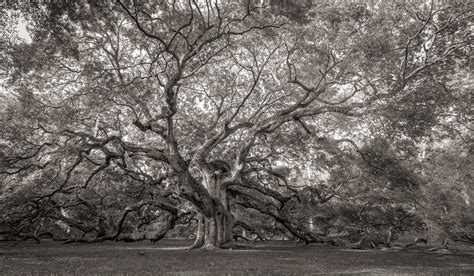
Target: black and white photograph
{"type": "Point", "coordinates": [236, 137]}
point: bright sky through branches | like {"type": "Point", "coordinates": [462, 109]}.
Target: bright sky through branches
{"type": "Point", "coordinates": [22, 31]}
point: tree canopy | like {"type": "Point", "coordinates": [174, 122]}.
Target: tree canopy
{"type": "Point", "coordinates": [313, 117]}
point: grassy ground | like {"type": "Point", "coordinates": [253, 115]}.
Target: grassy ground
{"type": "Point", "coordinates": [276, 258]}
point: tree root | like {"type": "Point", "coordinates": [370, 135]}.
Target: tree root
{"type": "Point", "coordinates": [226, 246]}
{"type": "Point", "coordinates": [210, 247]}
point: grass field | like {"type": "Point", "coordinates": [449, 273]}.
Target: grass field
{"type": "Point", "coordinates": [168, 257]}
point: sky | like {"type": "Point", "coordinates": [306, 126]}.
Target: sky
{"type": "Point", "coordinates": [23, 34]}
{"type": "Point", "coordinates": [22, 31]}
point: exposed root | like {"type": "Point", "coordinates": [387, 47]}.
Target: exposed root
{"type": "Point", "coordinates": [194, 246]}
{"type": "Point", "coordinates": [210, 247]}
{"type": "Point", "coordinates": [197, 244]}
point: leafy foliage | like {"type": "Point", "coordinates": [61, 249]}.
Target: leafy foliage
{"type": "Point", "coordinates": [311, 118]}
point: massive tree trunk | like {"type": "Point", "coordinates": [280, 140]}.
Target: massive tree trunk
{"type": "Point", "coordinates": [214, 232]}
{"type": "Point", "coordinates": [215, 229]}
